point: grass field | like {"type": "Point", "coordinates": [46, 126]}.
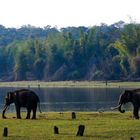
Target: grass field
{"type": "Point", "coordinates": [98, 126]}
{"type": "Point", "coordinates": [73, 84]}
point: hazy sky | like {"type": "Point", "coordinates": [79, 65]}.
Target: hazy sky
{"type": "Point", "coordinates": [63, 13]}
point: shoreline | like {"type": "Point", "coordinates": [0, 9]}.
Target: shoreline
{"type": "Point", "coordinates": [71, 84]}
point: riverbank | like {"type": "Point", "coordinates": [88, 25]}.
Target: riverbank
{"type": "Point", "coordinates": [73, 84]}
{"type": "Point", "coordinates": [98, 126]}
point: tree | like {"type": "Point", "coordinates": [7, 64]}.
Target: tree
{"type": "Point", "coordinates": [54, 61]}
{"type": "Point", "coordinates": [20, 67]}
{"type": "Point", "coordinates": [3, 69]}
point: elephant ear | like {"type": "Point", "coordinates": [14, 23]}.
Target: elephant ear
{"type": "Point", "coordinates": [10, 95]}
{"type": "Point", "coordinates": [129, 94]}
{"type": "Point", "coordinates": [8, 99]}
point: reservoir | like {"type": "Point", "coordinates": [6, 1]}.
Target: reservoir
{"type": "Point", "coordinates": [72, 99]}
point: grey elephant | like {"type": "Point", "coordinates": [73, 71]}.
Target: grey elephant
{"type": "Point", "coordinates": [132, 96]}
{"type": "Point", "coordinates": [22, 98]}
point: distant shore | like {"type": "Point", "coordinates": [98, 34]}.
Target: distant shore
{"type": "Point", "coordinates": [72, 84]}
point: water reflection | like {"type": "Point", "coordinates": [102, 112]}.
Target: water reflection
{"type": "Point", "coordinates": [72, 99]}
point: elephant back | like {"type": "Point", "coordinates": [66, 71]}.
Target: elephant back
{"type": "Point", "coordinates": [25, 96]}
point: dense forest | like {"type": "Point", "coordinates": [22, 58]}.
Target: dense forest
{"type": "Point", "coordinates": [105, 52]}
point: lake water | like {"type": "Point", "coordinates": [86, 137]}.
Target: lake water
{"type": "Point", "coordinates": [72, 99]}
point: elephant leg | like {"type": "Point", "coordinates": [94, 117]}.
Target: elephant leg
{"type": "Point", "coordinates": [136, 112]}
{"type": "Point", "coordinates": [18, 112]}
{"type": "Point", "coordinates": [34, 113]}
{"type": "Point", "coordinates": [28, 113]}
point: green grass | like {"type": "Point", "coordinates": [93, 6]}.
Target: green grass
{"type": "Point", "coordinates": [98, 126]}
{"type": "Point", "coordinates": [73, 84]}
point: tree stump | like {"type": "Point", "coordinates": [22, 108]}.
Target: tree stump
{"type": "Point", "coordinates": [73, 115]}
{"type": "Point", "coordinates": [80, 131]}
{"type": "Point", "coordinates": [5, 132]}
{"type": "Point", "coordinates": [56, 131]}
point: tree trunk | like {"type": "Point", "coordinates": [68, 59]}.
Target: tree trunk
{"type": "Point", "coordinates": [81, 129]}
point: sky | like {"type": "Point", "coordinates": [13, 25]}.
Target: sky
{"type": "Point", "coordinates": [64, 13]}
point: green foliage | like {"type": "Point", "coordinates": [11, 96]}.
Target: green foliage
{"type": "Point", "coordinates": [3, 68]}
{"type": "Point", "coordinates": [24, 57]}
{"type": "Point", "coordinates": [73, 53]}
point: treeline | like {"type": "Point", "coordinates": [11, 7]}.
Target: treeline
{"type": "Point", "coordinates": [73, 53]}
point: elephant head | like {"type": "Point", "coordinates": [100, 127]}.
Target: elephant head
{"type": "Point", "coordinates": [124, 98]}
{"type": "Point", "coordinates": [9, 99]}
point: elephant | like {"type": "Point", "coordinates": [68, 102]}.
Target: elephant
{"type": "Point", "coordinates": [132, 96]}
{"type": "Point", "coordinates": [22, 98]}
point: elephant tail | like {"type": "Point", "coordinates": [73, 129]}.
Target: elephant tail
{"type": "Point", "coordinates": [39, 107]}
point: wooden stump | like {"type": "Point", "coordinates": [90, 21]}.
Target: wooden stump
{"type": "Point", "coordinates": [56, 131]}
{"type": "Point", "coordinates": [80, 131]}
{"type": "Point", "coordinates": [5, 132]}
{"type": "Point", "coordinates": [73, 115]}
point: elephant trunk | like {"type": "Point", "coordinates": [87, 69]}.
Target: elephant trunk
{"type": "Point", "coordinates": [119, 108]}
{"type": "Point", "coordinates": [4, 110]}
